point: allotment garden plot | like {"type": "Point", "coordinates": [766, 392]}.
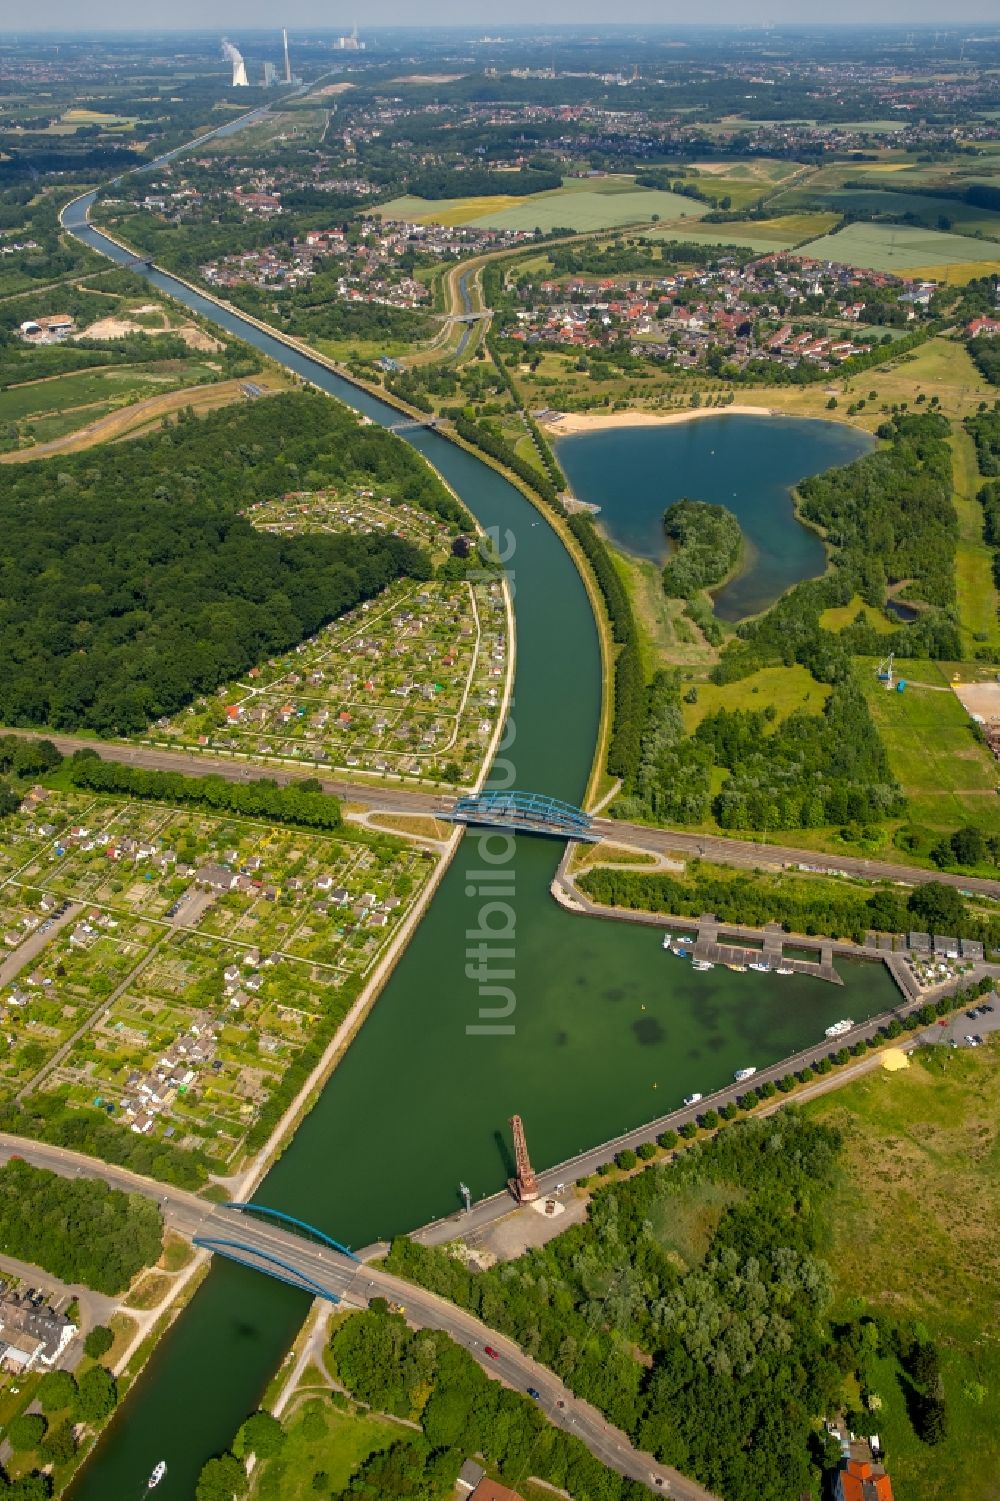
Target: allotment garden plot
{"type": "Point", "coordinates": [408, 685]}
{"type": "Point", "coordinates": [189, 970]}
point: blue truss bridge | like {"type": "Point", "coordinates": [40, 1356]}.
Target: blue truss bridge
{"type": "Point", "coordinates": [524, 812]}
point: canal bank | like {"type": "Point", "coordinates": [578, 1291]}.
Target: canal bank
{"type": "Point", "coordinates": [597, 1034]}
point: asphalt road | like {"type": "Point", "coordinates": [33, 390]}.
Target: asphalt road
{"type": "Point", "coordinates": [383, 797]}
{"type": "Point", "coordinates": [357, 1283]}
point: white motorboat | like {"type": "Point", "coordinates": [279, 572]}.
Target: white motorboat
{"type": "Point", "coordinates": [744, 1073]}
{"type": "Point", "coordinates": [839, 1028]}
{"type": "Point", "coordinates": [157, 1475]}
{"type": "Point", "coordinates": [702, 964]}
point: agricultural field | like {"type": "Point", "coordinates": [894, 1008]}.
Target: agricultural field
{"type": "Point", "coordinates": [581, 204]}
{"type": "Point", "coordinates": [921, 1140]}
{"type": "Point", "coordinates": [905, 250]}
{"type": "Point", "coordinates": [781, 232]}
{"type": "Point", "coordinates": [408, 685]}
{"type": "Point", "coordinates": [190, 959]}
{"type": "Point", "coordinates": [949, 777]}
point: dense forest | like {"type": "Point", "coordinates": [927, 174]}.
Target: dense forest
{"type": "Point", "coordinates": [694, 1309]}
{"type": "Point", "coordinates": [894, 508]}
{"type": "Point", "coordinates": [708, 542]}
{"type": "Point", "coordinates": [444, 182]}
{"type": "Point", "coordinates": [131, 582]}
{"type": "Point", "coordinates": [78, 1229]}
{"type": "Point", "coordinates": [809, 770]}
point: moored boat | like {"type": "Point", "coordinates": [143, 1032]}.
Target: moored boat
{"type": "Point", "coordinates": [764, 969]}
{"type": "Point", "coordinates": [744, 1073]}
{"type": "Point", "coordinates": [702, 964]}
{"type": "Point", "coordinates": [784, 969]}
{"type": "Point", "coordinates": [839, 1028]}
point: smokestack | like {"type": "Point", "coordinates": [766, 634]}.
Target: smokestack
{"type": "Point", "coordinates": [233, 55]}
{"type": "Point", "coordinates": [288, 66]}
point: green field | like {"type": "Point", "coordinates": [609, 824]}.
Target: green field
{"type": "Point", "coordinates": [913, 1237]}
{"type": "Point", "coordinates": [948, 776]}
{"type": "Point", "coordinates": [323, 1439]}
{"type": "Point", "coordinates": [839, 616]}
{"type": "Point", "coordinates": [764, 235]}
{"type": "Point", "coordinates": [977, 593]}
{"type": "Point", "coordinates": [64, 403]}
{"type": "Point", "coordinates": [900, 248]}
{"type": "Point", "coordinates": [784, 688]}
{"type": "Point", "coordinates": [580, 204]}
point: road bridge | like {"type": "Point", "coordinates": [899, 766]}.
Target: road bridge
{"type": "Point", "coordinates": [323, 1271]}
{"type": "Point", "coordinates": [384, 798]}
{"type": "Point", "coordinates": [523, 812]}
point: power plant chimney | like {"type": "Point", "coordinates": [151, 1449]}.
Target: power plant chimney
{"type": "Point", "coordinates": [234, 55]}
{"type": "Point", "coordinates": [288, 66]}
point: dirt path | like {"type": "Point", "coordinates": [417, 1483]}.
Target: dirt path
{"type": "Point", "coordinates": [128, 421]}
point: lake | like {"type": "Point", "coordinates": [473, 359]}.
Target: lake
{"type": "Point", "coordinates": [749, 464]}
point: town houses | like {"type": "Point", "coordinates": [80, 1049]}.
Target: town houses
{"type": "Point", "coordinates": [779, 308]}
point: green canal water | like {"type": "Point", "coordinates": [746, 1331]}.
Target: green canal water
{"type": "Point", "coordinates": [750, 464]}
{"type": "Point", "coordinates": [608, 1031]}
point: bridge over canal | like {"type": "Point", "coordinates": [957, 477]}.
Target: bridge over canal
{"type": "Point", "coordinates": [523, 812]}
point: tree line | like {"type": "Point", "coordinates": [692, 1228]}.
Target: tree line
{"type": "Point", "coordinates": [261, 798]}
{"type": "Point", "coordinates": [984, 428]}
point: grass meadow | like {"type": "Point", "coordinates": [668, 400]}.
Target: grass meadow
{"type": "Point", "coordinates": [913, 1236]}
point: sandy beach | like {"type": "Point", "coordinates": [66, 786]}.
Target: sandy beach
{"type": "Point", "coordinates": [565, 423]}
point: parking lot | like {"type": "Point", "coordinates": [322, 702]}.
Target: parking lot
{"type": "Point", "coordinates": [963, 1026]}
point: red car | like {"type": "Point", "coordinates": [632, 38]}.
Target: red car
{"type": "Point", "coordinates": [493, 1354]}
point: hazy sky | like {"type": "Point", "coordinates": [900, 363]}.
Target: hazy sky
{"type": "Point", "coordinates": [492, 15]}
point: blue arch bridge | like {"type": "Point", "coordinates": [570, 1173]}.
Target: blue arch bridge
{"type": "Point", "coordinates": [252, 1251]}
{"type": "Point", "coordinates": [526, 812]}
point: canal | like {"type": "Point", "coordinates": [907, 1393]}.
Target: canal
{"type": "Point", "coordinates": [607, 1031]}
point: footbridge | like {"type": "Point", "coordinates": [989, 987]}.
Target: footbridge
{"type": "Point", "coordinates": [524, 812]}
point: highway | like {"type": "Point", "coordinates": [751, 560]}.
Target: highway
{"type": "Point", "coordinates": [383, 797]}
{"type": "Point", "coordinates": [356, 1283]}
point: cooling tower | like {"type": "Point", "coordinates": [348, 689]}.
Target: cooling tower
{"type": "Point", "coordinates": [232, 54]}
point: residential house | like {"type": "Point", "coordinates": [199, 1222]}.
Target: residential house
{"type": "Point", "coordinates": [857, 1480]}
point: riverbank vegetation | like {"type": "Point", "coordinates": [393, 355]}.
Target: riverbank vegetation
{"type": "Point", "coordinates": [799, 903]}
{"type": "Point", "coordinates": [696, 1308]}
{"type": "Point", "coordinates": [108, 635]}
{"type": "Point", "coordinates": [78, 1229]}
{"type": "Point", "coordinates": [708, 542]}
{"type": "Point", "coordinates": [441, 1408]}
